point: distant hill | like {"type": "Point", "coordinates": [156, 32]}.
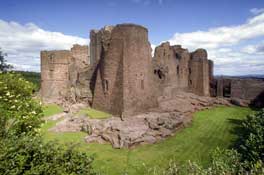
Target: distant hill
{"type": "Point", "coordinates": [251, 76]}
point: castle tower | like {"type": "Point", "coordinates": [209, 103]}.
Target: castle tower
{"type": "Point", "coordinates": [54, 74]}
{"type": "Point", "coordinates": [123, 78]}
{"type": "Point", "coordinates": [199, 73]}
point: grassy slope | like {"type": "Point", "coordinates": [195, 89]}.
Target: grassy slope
{"type": "Point", "coordinates": [210, 128]}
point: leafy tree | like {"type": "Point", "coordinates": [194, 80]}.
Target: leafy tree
{"type": "Point", "coordinates": [22, 149]}
{"type": "Point", "coordinates": [3, 65]}
{"type": "Point", "coordinates": [19, 113]}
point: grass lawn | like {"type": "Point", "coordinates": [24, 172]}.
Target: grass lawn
{"type": "Point", "coordinates": [51, 109]}
{"type": "Point", "coordinates": [209, 129]}
{"type": "Point", "coordinates": [93, 113]}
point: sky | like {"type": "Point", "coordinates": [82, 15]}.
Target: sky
{"type": "Point", "coordinates": [232, 31]}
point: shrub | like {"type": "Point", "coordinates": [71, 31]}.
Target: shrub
{"type": "Point", "coordinates": [28, 155]}
{"type": "Point", "coordinates": [223, 162]}
{"type": "Point", "coordinates": [22, 150]}
{"type": "Point", "coordinates": [19, 113]}
{"type": "Point", "coordinates": [252, 138]}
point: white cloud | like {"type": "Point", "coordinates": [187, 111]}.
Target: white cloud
{"type": "Point", "coordinates": [23, 43]}
{"type": "Point", "coordinates": [257, 11]}
{"type": "Point", "coordinates": [153, 49]}
{"type": "Point", "coordinates": [254, 49]}
{"type": "Point", "coordinates": [220, 42]}
{"type": "Point", "coordinates": [222, 36]}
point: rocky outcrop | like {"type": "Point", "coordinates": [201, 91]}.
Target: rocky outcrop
{"type": "Point", "coordinates": [147, 128]}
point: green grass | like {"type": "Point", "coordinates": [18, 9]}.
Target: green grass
{"type": "Point", "coordinates": [51, 109]}
{"type": "Point", "coordinates": [93, 113]}
{"type": "Point", "coordinates": [209, 129]}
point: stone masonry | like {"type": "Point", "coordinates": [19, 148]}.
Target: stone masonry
{"type": "Point", "coordinates": [241, 91]}
{"type": "Point", "coordinates": [64, 74]}
{"type": "Point", "coordinates": [118, 73]}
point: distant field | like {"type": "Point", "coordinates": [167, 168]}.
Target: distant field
{"type": "Point", "coordinates": [210, 128]}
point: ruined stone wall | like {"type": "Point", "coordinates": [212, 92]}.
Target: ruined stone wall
{"type": "Point", "coordinates": [171, 66]}
{"type": "Point", "coordinates": [65, 74]}
{"type": "Point", "coordinates": [80, 74]}
{"type": "Point", "coordinates": [138, 73]}
{"type": "Point", "coordinates": [54, 74]}
{"type": "Point", "coordinates": [247, 89]}
{"type": "Point", "coordinates": [81, 55]}
{"type": "Point", "coordinates": [199, 73]}
{"type": "Point", "coordinates": [122, 83]}
{"type": "Point", "coordinates": [108, 90]}
{"type": "Point", "coordinates": [175, 66]}
{"type": "Point", "coordinates": [119, 74]}
{"type": "Point", "coordinates": [243, 92]}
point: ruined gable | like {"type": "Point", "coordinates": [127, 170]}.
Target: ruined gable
{"type": "Point", "coordinates": [175, 66]}
{"type": "Point", "coordinates": [64, 74]}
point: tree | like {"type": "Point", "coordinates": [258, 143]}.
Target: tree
{"type": "Point", "coordinates": [3, 65]}
{"type": "Point", "coordinates": [22, 149]}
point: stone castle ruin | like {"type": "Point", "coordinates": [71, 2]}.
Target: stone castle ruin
{"type": "Point", "coordinates": [118, 74]}
{"type": "Point", "coordinates": [149, 97]}
{"type": "Point", "coordinates": [65, 74]}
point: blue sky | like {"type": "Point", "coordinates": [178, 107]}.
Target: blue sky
{"type": "Point", "coordinates": [229, 29]}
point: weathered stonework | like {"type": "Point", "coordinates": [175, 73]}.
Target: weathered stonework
{"type": "Point", "coordinates": [175, 66]}
{"type": "Point", "coordinates": [119, 75]}
{"type": "Point", "coordinates": [150, 97]}
{"type": "Point", "coordinates": [54, 74]}
{"type": "Point", "coordinates": [64, 75]}
{"type": "Point", "coordinates": [123, 83]}
{"type": "Point", "coordinates": [242, 92]}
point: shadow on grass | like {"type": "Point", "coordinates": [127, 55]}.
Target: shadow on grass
{"type": "Point", "coordinates": [238, 130]}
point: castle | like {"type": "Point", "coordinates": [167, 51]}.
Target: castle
{"type": "Point", "coordinates": [118, 74]}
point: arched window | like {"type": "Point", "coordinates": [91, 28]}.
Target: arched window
{"type": "Point", "coordinates": [105, 86]}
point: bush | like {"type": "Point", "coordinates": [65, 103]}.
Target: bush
{"type": "Point", "coordinates": [223, 162]}
{"type": "Point", "coordinates": [252, 138]}
{"type": "Point", "coordinates": [29, 155]}
{"type": "Point", "coordinates": [22, 150]}
{"type": "Point", "coordinates": [33, 77]}
{"type": "Point", "coordinates": [19, 113]}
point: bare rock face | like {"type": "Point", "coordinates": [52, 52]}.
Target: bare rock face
{"type": "Point", "coordinates": [71, 124]}
{"type": "Point", "coordinates": [146, 128]}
